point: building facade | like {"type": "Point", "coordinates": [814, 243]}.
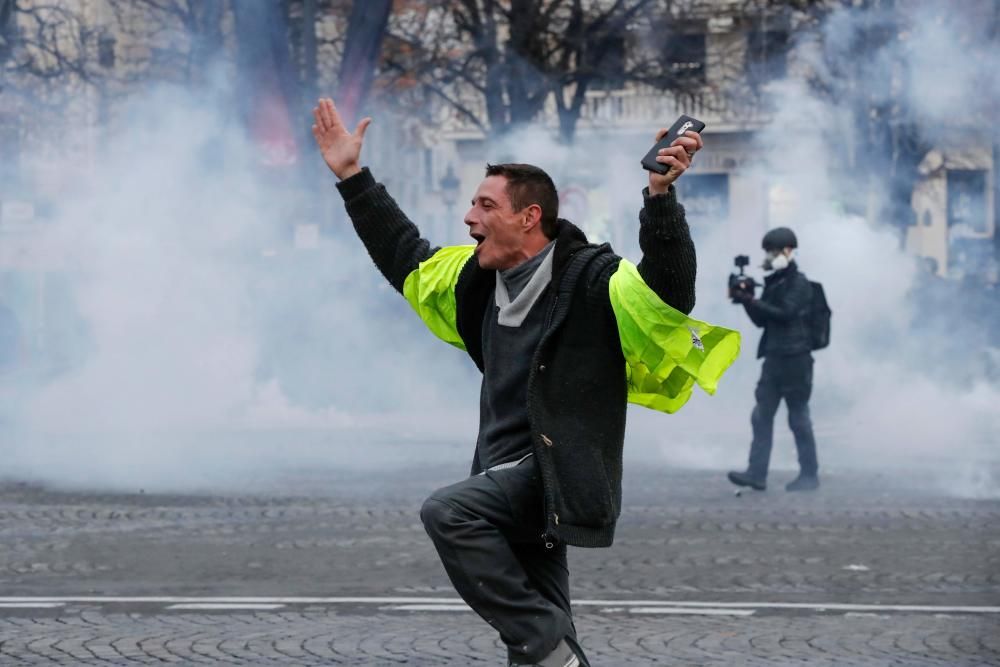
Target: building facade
{"type": "Point", "coordinates": [732, 53]}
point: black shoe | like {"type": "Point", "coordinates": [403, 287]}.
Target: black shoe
{"type": "Point", "coordinates": [803, 483]}
{"type": "Point", "coordinates": [745, 479]}
{"type": "Point", "coordinates": [562, 656]}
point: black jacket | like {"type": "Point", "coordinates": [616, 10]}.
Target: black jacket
{"type": "Point", "coordinates": [782, 311]}
{"type": "Point", "coordinates": [576, 388]}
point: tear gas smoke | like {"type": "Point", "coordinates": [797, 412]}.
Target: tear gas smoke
{"type": "Point", "coordinates": [215, 351]}
{"type": "Point", "coordinates": [211, 361]}
{"type": "Point", "coordinates": [893, 391]}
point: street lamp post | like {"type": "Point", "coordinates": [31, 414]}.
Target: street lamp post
{"type": "Point", "coordinates": [449, 193]}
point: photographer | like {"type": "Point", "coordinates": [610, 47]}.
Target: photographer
{"type": "Point", "coordinates": [783, 311]}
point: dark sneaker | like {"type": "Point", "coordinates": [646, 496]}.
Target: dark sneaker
{"type": "Point", "coordinates": [745, 479]}
{"type": "Point", "coordinates": [562, 656]}
{"type": "Point", "coordinates": [803, 483]}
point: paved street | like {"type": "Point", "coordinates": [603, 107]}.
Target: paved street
{"type": "Point", "coordinates": [319, 568]}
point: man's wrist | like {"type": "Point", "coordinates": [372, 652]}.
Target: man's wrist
{"type": "Point", "coordinates": [657, 190]}
{"type": "Point", "coordinates": [659, 196]}
{"type": "Point", "coordinates": [350, 170]}
{"type": "Point", "coordinates": [356, 185]}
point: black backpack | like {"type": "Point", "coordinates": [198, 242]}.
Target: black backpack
{"type": "Point", "coordinates": [819, 317]}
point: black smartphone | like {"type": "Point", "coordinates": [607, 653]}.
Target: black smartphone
{"type": "Point", "coordinates": [683, 124]}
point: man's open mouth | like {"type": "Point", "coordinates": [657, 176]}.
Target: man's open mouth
{"type": "Point", "coordinates": [479, 238]}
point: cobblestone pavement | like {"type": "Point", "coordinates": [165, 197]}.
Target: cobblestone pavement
{"type": "Point", "coordinates": [325, 637]}
{"type": "Point", "coordinates": [780, 579]}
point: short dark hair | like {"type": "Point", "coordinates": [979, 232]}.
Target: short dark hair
{"type": "Point", "coordinates": [527, 185]}
{"type": "Point", "coordinates": [779, 238]}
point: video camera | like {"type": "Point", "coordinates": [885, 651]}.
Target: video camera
{"type": "Point", "coordinates": [740, 283]}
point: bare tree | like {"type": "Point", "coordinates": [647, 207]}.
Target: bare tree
{"type": "Point", "coordinates": [41, 43]}
{"type": "Point", "coordinates": [498, 64]}
{"type": "Point", "coordinates": [48, 55]}
{"type": "Point", "coordinates": [182, 38]}
{"type": "Point", "coordinates": [365, 32]}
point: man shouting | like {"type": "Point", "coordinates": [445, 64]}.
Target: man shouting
{"type": "Point", "coordinates": [565, 333]}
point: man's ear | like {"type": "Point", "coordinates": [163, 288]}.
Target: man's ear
{"type": "Point", "coordinates": [532, 216]}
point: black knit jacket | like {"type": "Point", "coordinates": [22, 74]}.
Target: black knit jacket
{"type": "Point", "coordinates": [576, 387]}
{"type": "Point", "coordinates": [782, 311]}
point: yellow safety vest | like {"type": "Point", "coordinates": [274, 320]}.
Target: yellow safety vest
{"type": "Point", "coordinates": [666, 352]}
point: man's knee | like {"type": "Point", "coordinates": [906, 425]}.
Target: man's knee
{"type": "Point", "coordinates": [767, 401]}
{"type": "Point", "coordinates": [762, 414]}
{"type": "Point", "coordinates": [798, 419]}
{"type": "Point", "coordinates": [436, 515]}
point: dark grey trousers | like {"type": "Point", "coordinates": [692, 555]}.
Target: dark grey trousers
{"type": "Point", "coordinates": [788, 378]}
{"type": "Point", "coordinates": [487, 530]}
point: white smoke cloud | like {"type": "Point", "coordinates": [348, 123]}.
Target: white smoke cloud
{"type": "Point", "coordinates": [886, 395]}
{"type": "Point", "coordinates": [215, 366]}
{"type": "Point", "coordinates": [218, 352]}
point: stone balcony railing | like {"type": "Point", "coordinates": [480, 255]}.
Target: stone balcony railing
{"type": "Point", "coordinates": [635, 108]}
{"type": "Point", "coordinates": [638, 108]}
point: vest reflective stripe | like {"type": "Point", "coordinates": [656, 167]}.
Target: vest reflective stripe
{"type": "Point", "coordinates": [666, 352]}
{"type": "Point", "coordinates": [430, 290]}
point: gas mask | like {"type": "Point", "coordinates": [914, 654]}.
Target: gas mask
{"type": "Point", "coordinates": [777, 260]}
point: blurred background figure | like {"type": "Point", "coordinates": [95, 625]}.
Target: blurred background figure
{"type": "Point", "coordinates": [10, 352]}
{"type": "Point", "coordinates": [10, 338]}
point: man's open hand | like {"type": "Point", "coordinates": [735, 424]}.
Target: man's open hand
{"type": "Point", "coordinates": [677, 156]}
{"type": "Point", "coordinates": [340, 149]}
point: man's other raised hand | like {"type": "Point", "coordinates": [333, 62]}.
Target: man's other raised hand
{"type": "Point", "coordinates": [341, 150]}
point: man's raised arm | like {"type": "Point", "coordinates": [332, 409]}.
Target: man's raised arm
{"type": "Point", "coordinates": [392, 240]}
{"type": "Point", "coordinates": [668, 263]}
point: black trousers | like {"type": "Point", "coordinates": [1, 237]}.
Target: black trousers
{"type": "Point", "coordinates": [487, 530]}
{"type": "Point", "coordinates": [788, 378]}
